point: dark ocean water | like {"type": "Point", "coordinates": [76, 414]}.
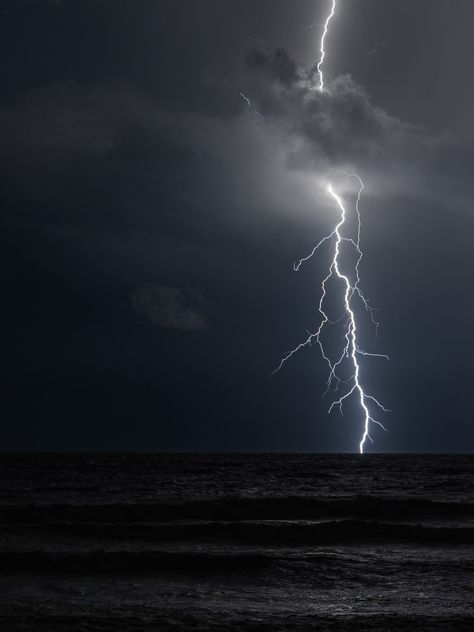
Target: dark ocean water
{"type": "Point", "coordinates": [236, 542]}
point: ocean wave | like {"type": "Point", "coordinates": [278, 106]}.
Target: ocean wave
{"type": "Point", "coordinates": [254, 533]}
{"type": "Point", "coordinates": [150, 547]}
{"type": "Point", "coordinates": [289, 533]}
{"type": "Point", "coordinates": [98, 561]}
{"type": "Point", "coordinates": [235, 509]}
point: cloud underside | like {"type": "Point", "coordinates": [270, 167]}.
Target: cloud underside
{"type": "Point", "coordinates": [64, 139]}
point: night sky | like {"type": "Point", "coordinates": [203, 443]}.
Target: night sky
{"type": "Point", "coordinates": [150, 220]}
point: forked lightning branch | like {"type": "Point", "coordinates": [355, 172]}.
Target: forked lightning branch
{"type": "Point", "coordinates": [353, 298]}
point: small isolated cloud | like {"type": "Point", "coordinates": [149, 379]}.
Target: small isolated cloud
{"type": "Point", "coordinates": [166, 307]}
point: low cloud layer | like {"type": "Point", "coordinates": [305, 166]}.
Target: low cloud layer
{"type": "Point", "coordinates": [114, 130]}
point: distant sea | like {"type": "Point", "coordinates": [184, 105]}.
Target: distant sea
{"type": "Point", "coordinates": [98, 542]}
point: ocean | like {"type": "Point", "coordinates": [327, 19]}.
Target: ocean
{"type": "Point", "coordinates": [129, 542]}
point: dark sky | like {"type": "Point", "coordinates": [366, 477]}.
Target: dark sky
{"type": "Point", "coordinates": [150, 220]}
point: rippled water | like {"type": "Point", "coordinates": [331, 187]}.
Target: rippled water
{"type": "Point", "coordinates": [267, 542]}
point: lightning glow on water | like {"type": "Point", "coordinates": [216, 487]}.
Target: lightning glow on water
{"type": "Point", "coordinates": [348, 360]}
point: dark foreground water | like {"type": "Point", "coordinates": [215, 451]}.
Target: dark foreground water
{"type": "Point", "coordinates": [255, 542]}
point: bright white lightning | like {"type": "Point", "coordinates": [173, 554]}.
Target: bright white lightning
{"type": "Point", "coordinates": [353, 296]}
{"type": "Point", "coordinates": [321, 48]}
{"type": "Point", "coordinates": [352, 292]}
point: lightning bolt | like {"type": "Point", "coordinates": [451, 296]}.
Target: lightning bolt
{"type": "Point", "coordinates": [348, 361]}
{"type": "Point", "coordinates": [246, 99]}
{"type": "Point", "coordinates": [352, 350]}
{"type": "Point", "coordinates": [249, 103]}
{"type": "Point", "coordinates": [321, 48]}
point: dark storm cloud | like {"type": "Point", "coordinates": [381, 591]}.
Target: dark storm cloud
{"type": "Point", "coordinates": [114, 130]}
{"type": "Point", "coordinates": [342, 128]}
{"type": "Point", "coordinates": [129, 160]}
{"type": "Point", "coordinates": [166, 307]}
{"type": "Point", "coordinates": [105, 158]}
{"type": "Point", "coordinates": [93, 153]}
{"type": "Point", "coordinates": [93, 119]}
{"type": "Point", "coordinates": [103, 153]}
{"type": "Point", "coordinates": [336, 126]}
{"type": "Point", "coordinates": [277, 65]}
